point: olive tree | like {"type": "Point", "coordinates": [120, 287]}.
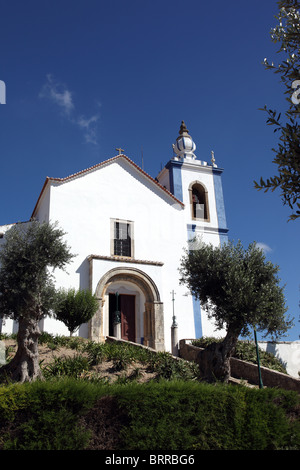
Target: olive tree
{"type": "Point", "coordinates": [240, 291]}
{"type": "Point", "coordinates": [27, 291]}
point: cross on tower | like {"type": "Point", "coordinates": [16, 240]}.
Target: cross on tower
{"type": "Point", "coordinates": [120, 150]}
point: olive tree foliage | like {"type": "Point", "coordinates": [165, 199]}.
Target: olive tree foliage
{"type": "Point", "coordinates": [240, 291]}
{"type": "Point", "coordinates": [74, 308]}
{"type": "Point", "coordinates": [27, 290]}
{"type": "Point", "coordinates": [287, 156]}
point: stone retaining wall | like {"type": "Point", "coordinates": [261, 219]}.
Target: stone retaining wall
{"type": "Point", "coordinates": [239, 369]}
{"type": "Point", "coordinates": [245, 370]}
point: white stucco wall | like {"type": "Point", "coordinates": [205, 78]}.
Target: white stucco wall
{"type": "Point", "coordinates": [118, 191]}
{"type": "Point", "coordinates": [288, 352]}
{"type": "Point", "coordinates": [115, 192]}
{"type": "Point", "coordinates": [84, 206]}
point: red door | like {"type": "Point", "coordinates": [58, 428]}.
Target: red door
{"type": "Point", "coordinates": [127, 308]}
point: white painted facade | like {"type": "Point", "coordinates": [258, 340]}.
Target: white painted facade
{"type": "Point", "coordinates": [159, 217]}
{"type": "Point", "coordinates": [288, 352]}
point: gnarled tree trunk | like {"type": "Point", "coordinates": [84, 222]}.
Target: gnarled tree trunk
{"type": "Point", "coordinates": [214, 361]}
{"type": "Point", "coordinates": [24, 367]}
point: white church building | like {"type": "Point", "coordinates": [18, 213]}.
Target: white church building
{"type": "Point", "coordinates": [128, 231]}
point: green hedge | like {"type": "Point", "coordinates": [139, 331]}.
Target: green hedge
{"type": "Point", "coordinates": [166, 415]}
{"type": "Point", "coordinates": [179, 415]}
{"type": "Point", "coordinates": [44, 415]}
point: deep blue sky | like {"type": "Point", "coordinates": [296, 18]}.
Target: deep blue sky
{"type": "Point", "coordinates": [85, 77]}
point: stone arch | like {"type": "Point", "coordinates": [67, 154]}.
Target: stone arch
{"type": "Point", "coordinates": [153, 308]}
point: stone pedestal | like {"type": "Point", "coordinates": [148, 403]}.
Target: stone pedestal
{"type": "Point", "coordinates": [117, 330]}
{"type": "Point", "coordinates": [174, 340]}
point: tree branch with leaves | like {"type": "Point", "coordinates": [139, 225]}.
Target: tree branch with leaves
{"type": "Point", "coordinates": [287, 35]}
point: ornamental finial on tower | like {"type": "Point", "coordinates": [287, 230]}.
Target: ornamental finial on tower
{"type": "Point", "coordinates": [213, 160]}
{"type": "Point", "coordinates": [183, 130]}
{"type": "Point", "coordinates": [184, 146]}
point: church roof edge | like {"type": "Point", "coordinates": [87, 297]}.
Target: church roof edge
{"type": "Point", "coordinates": [99, 165]}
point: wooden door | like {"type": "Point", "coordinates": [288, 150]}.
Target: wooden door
{"type": "Point", "coordinates": [127, 308]}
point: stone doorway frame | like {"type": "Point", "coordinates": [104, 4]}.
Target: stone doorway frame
{"type": "Point", "coordinates": [153, 312]}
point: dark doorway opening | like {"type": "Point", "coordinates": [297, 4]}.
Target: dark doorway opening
{"type": "Point", "coordinates": [112, 309]}
{"type": "Point", "coordinates": [127, 309]}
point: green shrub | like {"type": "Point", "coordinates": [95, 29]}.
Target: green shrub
{"type": "Point", "coordinates": [66, 366]}
{"type": "Point", "coordinates": [96, 352]}
{"type": "Point", "coordinates": [195, 416]}
{"type": "Point", "coordinates": [12, 398]}
{"type": "Point", "coordinates": [165, 415]}
{"type": "Point", "coordinates": [49, 430]}
{"type": "Point", "coordinates": [45, 338]}
{"type": "Point", "coordinates": [166, 367]}
{"type": "Point", "coordinates": [8, 336]}
{"type": "Point", "coordinates": [72, 342]}
{"type": "Point", "coordinates": [47, 417]}
{"type": "Point", "coordinates": [75, 307]}
{"type": "Point", "coordinates": [116, 352]}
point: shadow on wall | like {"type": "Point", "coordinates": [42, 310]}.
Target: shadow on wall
{"type": "Point", "coordinates": [271, 348]}
{"type": "Point", "coordinates": [83, 271]}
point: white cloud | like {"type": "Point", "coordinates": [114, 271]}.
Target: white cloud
{"type": "Point", "coordinates": [58, 93]}
{"type": "Point", "coordinates": [89, 127]}
{"type": "Point", "coordinates": [62, 97]}
{"type": "Point", "coordinates": [264, 247]}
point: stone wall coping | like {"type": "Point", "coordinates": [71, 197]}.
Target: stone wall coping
{"type": "Point", "coordinates": [245, 370]}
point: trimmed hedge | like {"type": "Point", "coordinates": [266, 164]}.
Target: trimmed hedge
{"type": "Point", "coordinates": [198, 416]}
{"type": "Point", "coordinates": [168, 415]}
{"type": "Point", "coordinates": [44, 415]}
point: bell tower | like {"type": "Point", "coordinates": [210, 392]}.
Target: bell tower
{"type": "Point", "coordinates": [198, 185]}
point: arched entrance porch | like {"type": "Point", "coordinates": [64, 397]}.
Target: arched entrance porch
{"type": "Point", "coordinates": [145, 301]}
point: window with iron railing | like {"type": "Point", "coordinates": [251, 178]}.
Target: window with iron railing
{"type": "Point", "coordinates": [122, 238]}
